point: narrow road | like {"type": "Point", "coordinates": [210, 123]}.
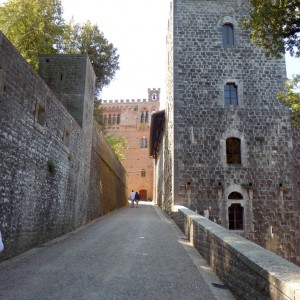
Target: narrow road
{"type": "Point", "coordinates": [133, 253]}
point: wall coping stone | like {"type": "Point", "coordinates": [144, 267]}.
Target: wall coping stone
{"type": "Point", "coordinates": [279, 272]}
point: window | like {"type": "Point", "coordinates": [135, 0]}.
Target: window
{"type": "Point", "coordinates": [228, 34]}
{"type": "Point", "coordinates": [144, 142]}
{"type": "Point", "coordinates": [109, 119]}
{"type": "Point", "coordinates": [235, 216]}
{"type": "Point", "coordinates": [142, 117]}
{"type": "Point", "coordinates": [235, 196]}
{"type": "Point", "coordinates": [230, 94]}
{"type": "Point", "coordinates": [114, 119]}
{"type": "Point", "coordinates": [105, 120]}
{"type": "Point", "coordinates": [154, 97]}
{"type": "Point", "coordinates": [233, 150]}
{"type": "Point", "coordinates": [147, 117]}
{"type": "Point", "coordinates": [143, 173]}
{"type": "Point", "coordinates": [66, 138]}
{"type": "Point", "coordinates": [118, 119]}
{"type": "Point", "coordinates": [41, 115]}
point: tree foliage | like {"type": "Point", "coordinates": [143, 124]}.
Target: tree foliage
{"type": "Point", "coordinates": [99, 117]}
{"type": "Point", "coordinates": [118, 144]}
{"type": "Point", "coordinates": [87, 38]}
{"type": "Point", "coordinates": [37, 27]}
{"type": "Point", "coordinates": [291, 97]}
{"type": "Point", "coordinates": [33, 26]}
{"type": "Point", "coordinates": [275, 25]}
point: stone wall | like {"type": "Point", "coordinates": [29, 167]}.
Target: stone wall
{"type": "Point", "coordinates": [247, 269]}
{"type": "Point", "coordinates": [199, 124]}
{"type": "Point", "coordinates": [47, 156]}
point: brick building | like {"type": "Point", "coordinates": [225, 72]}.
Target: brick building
{"type": "Point", "coordinates": [131, 120]}
{"type": "Point", "coordinates": [226, 147]}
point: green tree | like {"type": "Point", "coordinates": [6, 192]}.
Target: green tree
{"type": "Point", "coordinates": [37, 27]}
{"type": "Point", "coordinates": [291, 97]}
{"type": "Point", "coordinates": [99, 117]}
{"type": "Point", "coordinates": [275, 25]}
{"type": "Point", "coordinates": [33, 26]}
{"type": "Point", "coordinates": [87, 38]}
{"type": "Point", "coordinates": [118, 144]}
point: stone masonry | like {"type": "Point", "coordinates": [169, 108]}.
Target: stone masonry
{"type": "Point", "coordinates": [256, 195]}
{"type": "Point", "coordinates": [55, 165]}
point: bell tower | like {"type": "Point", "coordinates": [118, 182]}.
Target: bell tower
{"type": "Point", "coordinates": [154, 95]}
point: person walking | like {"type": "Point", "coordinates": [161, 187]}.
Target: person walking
{"type": "Point", "coordinates": [137, 199]}
{"type": "Point", "coordinates": [1, 243]}
{"type": "Point", "coordinates": [132, 198]}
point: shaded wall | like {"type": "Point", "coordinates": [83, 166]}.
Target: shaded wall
{"type": "Point", "coordinates": [47, 158]}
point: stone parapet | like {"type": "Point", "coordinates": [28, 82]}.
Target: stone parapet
{"type": "Point", "coordinates": [249, 271]}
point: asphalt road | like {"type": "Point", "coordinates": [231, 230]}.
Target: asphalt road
{"type": "Point", "coordinates": [133, 253]}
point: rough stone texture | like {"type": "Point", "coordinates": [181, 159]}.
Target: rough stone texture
{"type": "Point", "coordinates": [37, 205]}
{"type": "Point", "coordinates": [193, 148]}
{"type": "Point", "coordinates": [250, 271]}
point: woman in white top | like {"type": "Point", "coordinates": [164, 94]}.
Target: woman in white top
{"type": "Point", "coordinates": [1, 243]}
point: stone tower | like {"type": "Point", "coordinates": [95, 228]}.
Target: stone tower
{"type": "Point", "coordinates": [227, 148]}
{"type": "Point", "coordinates": [72, 79]}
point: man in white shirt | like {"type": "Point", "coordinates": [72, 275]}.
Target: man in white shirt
{"type": "Point", "coordinates": [132, 196]}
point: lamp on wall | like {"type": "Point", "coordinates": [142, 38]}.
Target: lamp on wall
{"type": "Point", "coordinates": [250, 190]}
{"type": "Point", "coordinates": [220, 190]}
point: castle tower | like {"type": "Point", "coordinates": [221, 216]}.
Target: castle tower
{"type": "Point", "coordinates": [72, 79]}
{"type": "Point", "coordinates": [130, 119]}
{"type": "Point", "coordinates": [228, 148]}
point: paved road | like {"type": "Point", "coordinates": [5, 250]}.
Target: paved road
{"type": "Point", "coordinates": [133, 253]}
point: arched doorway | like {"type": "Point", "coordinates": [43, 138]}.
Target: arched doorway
{"type": "Point", "coordinates": [143, 194]}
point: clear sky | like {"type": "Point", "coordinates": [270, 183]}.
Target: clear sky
{"type": "Point", "coordinates": [137, 28]}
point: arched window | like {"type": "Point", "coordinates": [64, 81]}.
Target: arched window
{"type": "Point", "coordinates": [142, 117]}
{"type": "Point", "coordinates": [114, 119]}
{"type": "Point", "coordinates": [144, 142]}
{"type": "Point", "coordinates": [154, 96]}
{"type": "Point", "coordinates": [118, 119]}
{"type": "Point", "coordinates": [236, 216]}
{"type": "Point", "coordinates": [233, 150]}
{"type": "Point", "coordinates": [228, 34]}
{"type": "Point", "coordinates": [235, 196]}
{"type": "Point", "coordinates": [147, 118]}
{"type": "Point", "coordinates": [109, 119]}
{"type": "Point", "coordinates": [231, 94]}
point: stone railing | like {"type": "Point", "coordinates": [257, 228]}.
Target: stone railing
{"type": "Point", "coordinates": [248, 270]}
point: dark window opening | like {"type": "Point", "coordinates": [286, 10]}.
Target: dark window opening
{"type": "Point", "coordinates": [230, 94]}
{"type": "Point", "coordinates": [235, 216]}
{"type": "Point", "coordinates": [66, 139]}
{"type": "Point", "coordinates": [233, 151]}
{"type": "Point", "coordinates": [144, 142]}
{"type": "Point", "coordinates": [147, 117]}
{"type": "Point", "coordinates": [118, 119]}
{"type": "Point", "coordinates": [228, 34]}
{"type": "Point", "coordinates": [142, 118]}
{"type": "Point", "coordinates": [143, 173]}
{"type": "Point", "coordinates": [235, 196]}
{"type": "Point", "coordinates": [41, 115]}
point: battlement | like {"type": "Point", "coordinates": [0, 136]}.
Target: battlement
{"type": "Point", "coordinates": [123, 101]}
{"type": "Point", "coordinates": [153, 95]}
